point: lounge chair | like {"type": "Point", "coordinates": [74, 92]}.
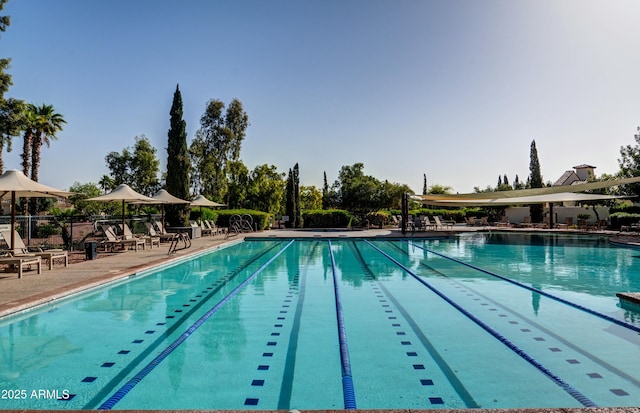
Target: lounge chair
{"type": "Point", "coordinates": [21, 262]}
{"type": "Point", "coordinates": [568, 221]}
{"type": "Point", "coordinates": [127, 234]}
{"type": "Point", "coordinates": [112, 240]}
{"type": "Point", "coordinates": [21, 250]}
{"type": "Point", "coordinates": [440, 224]}
{"type": "Point", "coordinates": [162, 237]}
{"type": "Point", "coordinates": [527, 222]}
{"type": "Point", "coordinates": [504, 222]}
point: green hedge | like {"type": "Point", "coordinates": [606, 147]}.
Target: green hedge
{"type": "Point", "coordinates": [207, 214]}
{"type": "Point", "coordinates": [259, 217]}
{"type": "Point", "coordinates": [330, 218]}
{"type": "Point", "coordinates": [619, 219]}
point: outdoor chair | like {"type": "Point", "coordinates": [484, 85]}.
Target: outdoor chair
{"type": "Point", "coordinates": [112, 240]}
{"type": "Point", "coordinates": [21, 250]}
{"type": "Point", "coordinates": [153, 233]}
{"type": "Point", "coordinates": [127, 234]}
{"type": "Point", "coordinates": [440, 224]}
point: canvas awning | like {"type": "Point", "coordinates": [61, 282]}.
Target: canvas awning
{"type": "Point", "coordinates": [533, 199]}
{"type": "Point", "coordinates": [531, 192]}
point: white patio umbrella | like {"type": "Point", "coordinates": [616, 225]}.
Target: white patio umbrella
{"type": "Point", "coordinates": [124, 193]}
{"type": "Point", "coordinates": [201, 201]}
{"type": "Point", "coordinates": [166, 198]}
{"type": "Point", "coordinates": [18, 185]}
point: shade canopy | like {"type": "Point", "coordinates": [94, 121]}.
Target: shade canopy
{"type": "Point", "coordinates": [165, 197]}
{"type": "Point", "coordinates": [534, 191]}
{"type": "Point", "coordinates": [124, 193]}
{"type": "Point", "coordinates": [16, 184]}
{"type": "Point", "coordinates": [201, 201]}
{"type": "Point", "coordinates": [533, 199]}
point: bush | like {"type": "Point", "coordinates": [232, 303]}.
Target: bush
{"type": "Point", "coordinates": [330, 218]}
{"type": "Point", "coordinates": [46, 230]}
{"type": "Point", "coordinates": [259, 217]}
{"type": "Point", "coordinates": [619, 219]}
{"type": "Point", "coordinates": [207, 214]}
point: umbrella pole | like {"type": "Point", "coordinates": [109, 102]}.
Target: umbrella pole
{"type": "Point", "coordinates": [123, 218]}
{"type": "Point", "coordinates": [13, 220]}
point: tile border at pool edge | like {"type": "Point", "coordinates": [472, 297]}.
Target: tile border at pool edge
{"type": "Point", "coordinates": [527, 410]}
{"type": "Point", "coordinates": [17, 307]}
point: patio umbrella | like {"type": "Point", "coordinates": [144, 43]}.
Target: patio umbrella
{"type": "Point", "coordinates": [201, 201]}
{"type": "Point", "coordinates": [18, 185]}
{"type": "Point", "coordinates": [124, 193]}
{"type": "Point", "coordinates": [166, 198]}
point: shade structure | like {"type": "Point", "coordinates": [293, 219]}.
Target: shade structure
{"type": "Point", "coordinates": [17, 185]}
{"type": "Point", "coordinates": [124, 193]}
{"type": "Point", "coordinates": [201, 201]}
{"type": "Point", "coordinates": [533, 199]}
{"type": "Point", "coordinates": [166, 198]}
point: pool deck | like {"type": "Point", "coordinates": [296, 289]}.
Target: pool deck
{"type": "Point", "coordinates": [17, 295]}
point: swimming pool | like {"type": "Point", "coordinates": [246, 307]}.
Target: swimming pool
{"type": "Point", "coordinates": [482, 320]}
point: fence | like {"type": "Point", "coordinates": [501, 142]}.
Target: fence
{"type": "Point", "coordinates": [68, 232]}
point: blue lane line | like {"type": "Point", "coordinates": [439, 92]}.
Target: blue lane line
{"type": "Point", "coordinates": [119, 395]}
{"type": "Point", "coordinates": [553, 297]}
{"type": "Point", "coordinates": [581, 398]}
{"type": "Point", "coordinates": [347, 380]}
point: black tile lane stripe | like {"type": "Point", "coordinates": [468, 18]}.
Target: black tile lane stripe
{"type": "Point", "coordinates": [457, 385]}
{"type": "Point", "coordinates": [108, 388]}
{"type": "Point", "coordinates": [284, 401]}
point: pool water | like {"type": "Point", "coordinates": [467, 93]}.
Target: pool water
{"type": "Point", "coordinates": [426, 324]}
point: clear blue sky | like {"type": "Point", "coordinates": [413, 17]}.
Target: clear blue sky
{"type": "Point", "coordinates": [453, 89]}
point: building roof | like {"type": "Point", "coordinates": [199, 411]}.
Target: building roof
{"type": "Point", "coordinates": [565, 177]}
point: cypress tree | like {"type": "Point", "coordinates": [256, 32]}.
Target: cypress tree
{"type": "Point", "coordinates": [424, 185]}
{"type": "Point", "coordinates": [178, 164]}
{"type": "Point", "coordinates": [325, 193]}
{"type": "Point", "coordinates": [289, 207]}
{"type": "Point", "coordinates": [535, 181]}
{"type": "Point", "coordinates": [296, 197]}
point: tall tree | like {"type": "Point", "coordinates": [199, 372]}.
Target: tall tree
{"type": "Point", "coordinates": [144, 167]}
{"type": "Point", "coordinates": [48, 123]}
{"type": "Point", "coordinates": [217, 143]}
{"type": "Point", "coordinates": [178, 162]}
{"type": "Point", "coordinates": [425, 188]}
{"type": "Point", "coordinates": [629, 163]}
{"type": "Point", "coordinates": [265, 189]}
{"type": "Point", "coordinates": [30, 119]}
{"type": "Point", "coordinates": [238, 182]}
{"type": "Point", "coordinates": [290, 207]}
{"type": "Point", "coordinates": [325, 192]}
{"type": "Point", "coordinates": [11, 109]}
{"type": "Point", "coordinates": [535, 181]}
{"type": "Point", "coordinates": [296, 195]}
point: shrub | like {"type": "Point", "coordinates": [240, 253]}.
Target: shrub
{"type": "Point", "coordinates": [330, 218]}
{"type": "Point", "coordinates": [619, 219]}
{"type": "Point", "coordinates": [207, 214]}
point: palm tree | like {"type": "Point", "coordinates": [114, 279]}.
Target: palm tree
{"type": "Point", "coordinates": [49, 122]}
{"type": "Point", "coordinates": [30, 120]}
{"type": "Point", "coordinates": [106, 183]}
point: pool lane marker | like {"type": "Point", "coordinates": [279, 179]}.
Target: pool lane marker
{"type": "Point", "coordinates": [348, 390]}
{"type": "Point", "coordinates": [127, 387]}
{"type": "Point", "coordinates": [553, 297]}
{"type": "Point", "coordinates": [444, 367]}
{"type": "Point", "coordinates": [581, 398]}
